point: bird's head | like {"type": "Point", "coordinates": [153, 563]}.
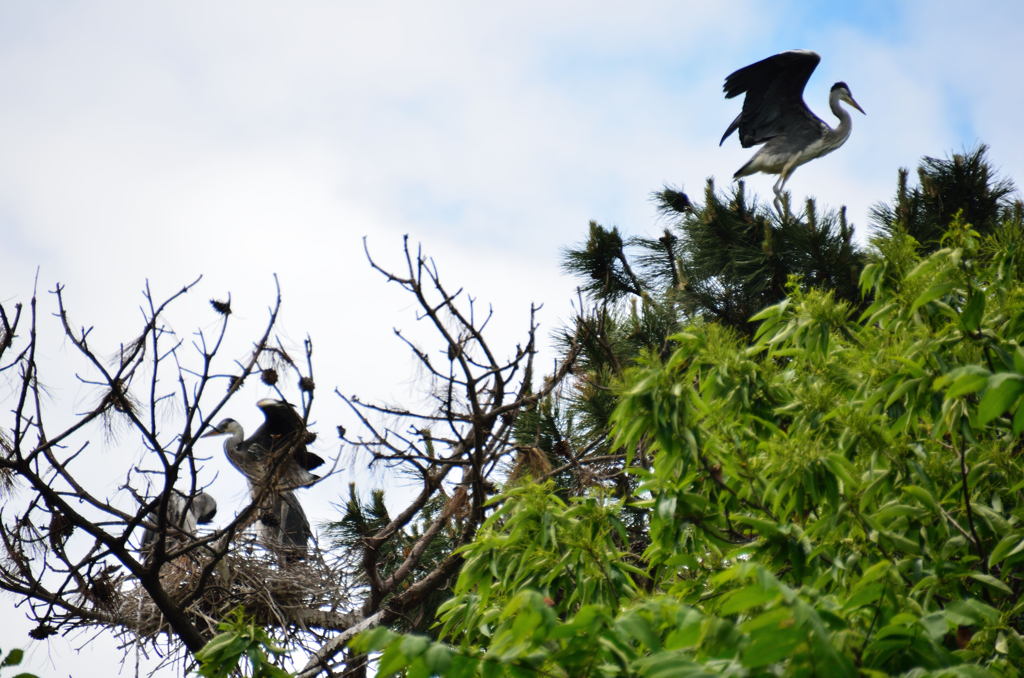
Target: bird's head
{"type": "Point", "coordinates": [842, 92]}
{"type": "Point", "coordinates": [225, 427]}
{"type": "Point", "coordinates": [205, 508]}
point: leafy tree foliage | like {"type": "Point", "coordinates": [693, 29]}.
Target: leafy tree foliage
{"type": "Point", "coordinates": [240, 641]}
{"type": "Point", "coordinates": [720, 260]}
{"type": "Point", "coordinates": [837, 493]}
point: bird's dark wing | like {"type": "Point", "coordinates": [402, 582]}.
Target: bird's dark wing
{"type": "Point", "coordinates": [280, 418]}
{"type": "Point", "coordinates": [294, 525]}
{"type": "Point", "coordinates": [285, 527]}
{"type": "Point", "coordinates": [307, 459]}
{"type": "Point", "coordinates": [283, 426]}
{"type": "Point", "coordinates": [774, 102]}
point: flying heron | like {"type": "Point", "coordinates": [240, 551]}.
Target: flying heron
{"type": "Point", "coordinates": [774, 114]}
{"type": "Point", "coordinates": [275, 461]}
{"type": "Point", "coordinates": [183, 514]}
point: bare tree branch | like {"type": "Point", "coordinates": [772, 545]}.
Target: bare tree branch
{"type": "Point", "coordinates": [70, 550]}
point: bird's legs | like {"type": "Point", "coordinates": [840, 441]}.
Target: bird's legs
{"type": "Point", "coordinates": [782, 205]}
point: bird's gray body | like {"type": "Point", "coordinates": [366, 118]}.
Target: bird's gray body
{"type": "Point", "coordinates": [778, 154]}
{"type": "Point", "coordinates": [275, 462]}
{"type": "Point", "coordinates": [774, 114]}
{"type": "Point", "coordinates": [182, 517]}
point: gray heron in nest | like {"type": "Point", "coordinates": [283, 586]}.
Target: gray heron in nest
{"type": "Point", "coordinates": [275, 461]}
{"type": "Point", "coordinates": [774, 114]}
{"type": "Point", "coordinates": [184, 513]}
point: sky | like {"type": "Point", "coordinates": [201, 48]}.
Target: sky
{"type": "Point", "coordinates": [161, 141]}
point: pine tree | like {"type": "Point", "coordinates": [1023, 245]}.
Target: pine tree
{"type": "Point", "coordinates": [964, 184]}
{"type": "Point", "coordinates": [718, 261]}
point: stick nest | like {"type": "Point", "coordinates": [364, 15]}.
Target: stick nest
{"type": "Point", "coordinates": [307, 595]}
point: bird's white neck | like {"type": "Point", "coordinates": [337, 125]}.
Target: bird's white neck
{"type": "Point", "coordinates": [842, 130]}
{"type": "Point", "coordinates": [236, 436]}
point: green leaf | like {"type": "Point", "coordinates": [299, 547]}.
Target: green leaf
{"type": "Point", "coordinates": [900, 541]}
{"type": "Point", "coordinates": [438, 658]}
{"type": "Point", "coordinates": [637, 626]}
{"type": "Point", "coordinates": [970, 316]}
{"type": "Point", "coordinates": [771, 311]}
{"type": "Point", "coordinates": [842, 468]}
{"type": "Point", "coordinates": [922, 495]}
{"type": "Point", "coordinates": [898, 630]}
{"type": "Point", "coordinates": [932, 293]}
{"type": "Point", "coordinates": [216, 645]}
{"type": "Point", "coordinates": [991, 581]}
{"type": "Point", "coordinates": [13, 657]}
{"type": "Point", "coordinates": [963, 380]}
{"type": "Point", "coordinates": [373, 639]}
{"type": "Point", "coordinates": [463, 667]}
{"type": "Point", "coordinates": [865, 596]}
{"type": "Point", "coordinates": [876, 571]}
{"type": "Point", "coordinates": [1009, 545]}
{"type": "Point", "coordinates": [935, 624]}
{"type": "Point", "coordinates": [777, 617]}
{"type": "Point", "coordinates": [902, 390]}
{"type": "Point", "coordinates": [745, 598]}
{"type": "Point", "coordinates": [1018, 419]}
{"type": "Point", "coordinates": [687, 632]}
{"type": "Point", "coordinates": [971, 612]}
{"type": "Point", "coordinates": [771, 646]}
{"type": "Point", "coordinates": [392, 660]}
{"type": "Point", "coordinates": [889, 512]}
{"type": "Point", "coordinates": [414, 645]}
{"type": "Point", "coordinates": [491, 669]}
{"type": "Point", "coordinates": [667, 507]}
{"type": "Point", "coordinates": [668, 664]}
{"type": "Point", "coordinates": [1003, 389]}
{"type": "Point", "coordinates": [763, 527]}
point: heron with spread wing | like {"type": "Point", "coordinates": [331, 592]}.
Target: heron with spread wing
{"type": "Point", "coordinates": [276, 462]}
{"type": "Point", "coordinates": [774, 114]}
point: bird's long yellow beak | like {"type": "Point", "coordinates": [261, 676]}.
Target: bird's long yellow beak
{"type": "Point", "coordinates": [853, 103]}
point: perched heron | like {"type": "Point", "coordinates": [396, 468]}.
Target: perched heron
{"type": "Point", "coordinates": [774, 114]}
{"type": "Point", "coordinates": [183, 514]}
{"type": "Point", "coordinates": [275, 461]}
